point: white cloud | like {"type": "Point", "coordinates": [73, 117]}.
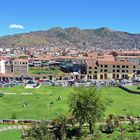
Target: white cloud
{"type": "Point", "coordinates": [16, 26]}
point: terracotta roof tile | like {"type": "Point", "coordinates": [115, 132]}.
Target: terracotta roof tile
{"type": "Point", "coordinates": [116, 63]}
{"type": "Point", "coordinates": [20, 60]}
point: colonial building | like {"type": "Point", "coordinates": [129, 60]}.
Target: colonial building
{"type": "Point", "coordinates": [20, 66]}
{"type": "Point", "coordinates": [130, 56]}
{"type": "Point", "coordinates": [102, 70]}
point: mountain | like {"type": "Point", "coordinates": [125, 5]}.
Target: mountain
{"type": "Point", "coordinates": [73, 37]}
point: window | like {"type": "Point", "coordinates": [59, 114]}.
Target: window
{"type": "Point", "coordinates": [89, 72]}
{"type": "Point", "coordinates": [101, 70]}
{"type": "Point", "coordinates": [118, 66]}
{"type": "Point", "coordinates": [105, 70]}
{"type": "Point", "coordinates": [90, 67]}
{"type": "Point", "coordinates": [113, 70]}
{"type": "Point", "coordinates": [105, 66]}
{"type": "Point", "coordinates": [101, 76]}
{"type": "Point", "coordinates": [94, 76]}
{"type": "Point", "coordinates": [127, 66]}
{"type": "Point", "coordinates": [118, 70]}
{"type": "Point", "coordinates": [123, 76]}
{"type": "Point", "coordinates": [123, 66]}
{"type": "Point", "coordinates": [101, 66]}
{"type": "Point", "coordinates": [113, 66]}
{"type": "Point", "coordinates": [117, 76]}
{"type": "Point", "coordinates": [123, 71]}
{"type": "Point", "coordinates": [134, 67]}
{"type": "Point", "coordinates": [127, 71]}
{"type": "Point", "coordinates": [105, 76]}
{"type": "Point", "coordinates": [133, 71]}
{"type": "Point", "coordinates": [95, 72]}
{"type": "Point", "coordinates": [95, 67]}
{"type": "Point", "coordinates": [113, 76]}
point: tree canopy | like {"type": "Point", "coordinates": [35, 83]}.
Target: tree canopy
{"type": "Point", "coordinates": [87, 105]}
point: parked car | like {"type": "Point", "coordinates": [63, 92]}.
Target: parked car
{"type": "Point", "coordinates": [48, 82]}
{"type": "Point", "coordinates": [80, 83]}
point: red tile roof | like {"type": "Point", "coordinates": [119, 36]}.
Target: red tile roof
{"type": "Point", "coordinates": [20, 60]}
{"type": "Point", "coordinates": [116, 63]}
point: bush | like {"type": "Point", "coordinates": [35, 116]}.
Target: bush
{"type": "Point", "coordinates": [40, 132]}
{"type": "Point", "coordinates": [1, 94]}
{"type": "Point", "coordinates": [108, 129]}
{"type": "Point", "coordinates": [73, 132]}
{"type": "Point", "coordinates": [111, 124]}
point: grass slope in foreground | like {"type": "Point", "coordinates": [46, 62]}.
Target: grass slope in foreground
{"type": "Point", "coordinates": [43, 103]}
{"type": "Point", "coordinates": [11, 135]}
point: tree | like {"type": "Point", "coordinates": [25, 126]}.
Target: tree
{"type": "Point", "coordinates": [40, 132]}
{"type": "Point", "coordinates": [87, 106]}
{"type": "Point", "coordinates": [60, 123]}
{"type": "Point", "coordinates": [65, 125]}
{"type": "Point", "coordinates": [56, 130]}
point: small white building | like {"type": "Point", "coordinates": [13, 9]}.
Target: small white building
{"type": "Point", "coordinates": [2, 66]}
{"type": "Point", "coordinates": [1, 49]}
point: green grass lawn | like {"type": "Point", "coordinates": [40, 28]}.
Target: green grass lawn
{"type": "Point", "coordinates": [116, 135]}
{"type": "Point", "coordinates": [134, 88]}
{"type": "Point", "coordinates": [11, 135]}
{"type": "Point", "coordinates": [124, 103]}
{"type": "Point", "coordinates": [40, 107]}
{"type": "Point", "coordinates": [3, 125]}
{"type": "Point", "coordinates": [39, 102]}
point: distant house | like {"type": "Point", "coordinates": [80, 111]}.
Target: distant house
{"type": "Point", "coordinates": [20, 66]}
{"type": "Point", "coordinates": [3, 65]}
{"type": "Point", "coordinates": [39, 62]}
{"type": "Point", "coordinates": [130, 56]}
{"type": "Point", "coordinates": [73, 64]}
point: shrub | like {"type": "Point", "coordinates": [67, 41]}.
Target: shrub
{"type": "Point", "coordinates": [1, 94]}
{"type": "Point", "coordinates": [40, 132]}
{"type": "Point", "coordinates": [74, 132]}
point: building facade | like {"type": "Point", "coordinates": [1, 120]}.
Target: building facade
{"type": "Point", "coordinates": [107, 70]}
{"type": "Point", "coordinates": [20, 66]}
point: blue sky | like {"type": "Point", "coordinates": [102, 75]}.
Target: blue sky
{"type": "Point", "coordinates": [18, 16]}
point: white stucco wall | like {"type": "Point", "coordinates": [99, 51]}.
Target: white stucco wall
{"type": "Point", "coordinates": [2, 66]}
